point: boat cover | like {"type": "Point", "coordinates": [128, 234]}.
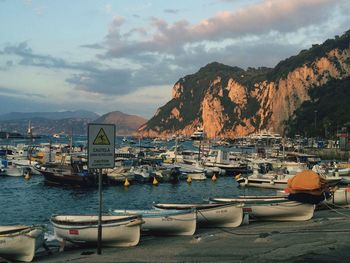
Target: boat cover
{"type": "Point", "coordinates": [306, 180]}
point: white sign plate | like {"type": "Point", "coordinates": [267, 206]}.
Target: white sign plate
{"type": "Point", "coordinates": [101, 141]}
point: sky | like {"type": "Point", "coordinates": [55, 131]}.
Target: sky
{"type": "Point", "coordinates": [105, 56]}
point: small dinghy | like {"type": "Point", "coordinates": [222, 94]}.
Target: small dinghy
{"type": "Point", "coordinates": [280, 211]}
{"type": "Point", "coordinates": [165, 222]}
{"type": "Point", "coordinates": [117, 231]}
{"type": "Point", "coordinates": [20, 242]}
{"type": "Point", "coordinates": [212, 215]}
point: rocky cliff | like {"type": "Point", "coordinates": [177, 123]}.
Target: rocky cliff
{"type": "Point", "coordinates": [229, 101]}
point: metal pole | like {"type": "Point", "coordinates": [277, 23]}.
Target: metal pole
{"type": "Point", "coordinates": [99, 231]}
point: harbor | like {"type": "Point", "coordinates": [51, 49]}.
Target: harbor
{"type": "Point", "coordinates": [237, 199]}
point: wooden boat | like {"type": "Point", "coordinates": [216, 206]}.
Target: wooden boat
{"type": "Point", "coordinates": [117, 231]}
{"type": "Point", "coordinates": [340, 197]}
{"type": "Point", "coordinates": [20, 242]}
{"type": "Point", "coordinates": [212, 215]}
{"type": "Point", "coordinates": [166, 222]}
{"type": "Point", "coordinates": [280, 211]}
{"type": "Point", "coordinates": [67, 175]}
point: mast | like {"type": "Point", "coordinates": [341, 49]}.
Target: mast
{"type": "Point", "coordinates": [30, 134]}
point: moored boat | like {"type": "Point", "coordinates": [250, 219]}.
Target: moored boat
{"type": "Point", "coordinates": [280, 211]}
{"type": "Point", "coordinates": [165, 222]}
{"type": "Point", "coordinates": [117, 231]}
{"type": "Point", "coordinates": [20, 242]}
{"type": "Point", "coordinates": [212, 215]}
{"type": "Point", "coordinates": [275, 181]}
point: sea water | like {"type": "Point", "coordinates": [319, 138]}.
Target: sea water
{"type": "Point", "coordinates": [33, 202]}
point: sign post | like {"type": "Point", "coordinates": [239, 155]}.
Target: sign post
{"type": "Point", "coordinates": [101, 144]}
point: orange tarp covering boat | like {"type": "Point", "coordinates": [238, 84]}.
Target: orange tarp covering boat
{"type": "Point", "coordinates": [306, 180]}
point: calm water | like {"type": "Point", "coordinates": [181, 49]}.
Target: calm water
{"type": "Point", "coordinates": [33, 202]}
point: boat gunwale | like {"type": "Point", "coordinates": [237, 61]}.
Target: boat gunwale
{"type": "Point", "coordinates": [92, 223]}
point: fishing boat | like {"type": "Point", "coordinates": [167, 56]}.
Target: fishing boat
{"type": "Point", "coordinates": [117, 231]}
{"type": "Point", "coordinates": [20, 242]}
{"type": "Point", "coordinates": [212, 215]}
{"type": "Point", "coordinates": [68, 175]}
{"type": "Point", "coordinates": [165, 222]}
{"type": "Point", "coordinates": [10, 168]}
{"type": "Point", "coordinates": [282, 210]}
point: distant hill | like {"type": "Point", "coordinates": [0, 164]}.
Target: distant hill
{"type": "Point", "coordinates": [42, 126]}
{"type": "Point", "coordinates": [66, 122]}
{"type": "Point", "coordinates": [49, 115]}
{"type": "Point", "coordinates": [125, 124]}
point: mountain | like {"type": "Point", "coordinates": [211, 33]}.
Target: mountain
{"type": "Point", "coordinates": [125, 124]}
{"type": "Point", "coordinates": [230, 101]}
{"type": "Point", "coordinates": [49, 115]}
{"type": "Point", "coordinates": [47, 126]}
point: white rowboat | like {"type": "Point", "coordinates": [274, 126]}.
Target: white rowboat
{"type": "Point", "coordinates": [117, 231]}
{"type": "Point", "coordinates": [212, 215]}
{"type": "Point", "coordinates": [20, 242]}
{"type": "Point", "coordinates": [281, 211]}
{"type": "Point", "coordinates": [166, 222]}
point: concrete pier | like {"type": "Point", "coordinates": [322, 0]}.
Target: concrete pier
{"type": "Point", "coordinates": [325, 238]}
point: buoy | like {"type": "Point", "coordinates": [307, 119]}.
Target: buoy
{"type": "Point", "coordinates": [126, 183]}
{"type": "Point", "coordinates": [237, 176]}
{"type": "Point", "coordinates": [189, 179]}
{"type": "Point", "coordinates": [155, 182]}
{"type": "Point", "coordinates": [27, 176]}
{"type": "Point", "coordinates": [214, 178]}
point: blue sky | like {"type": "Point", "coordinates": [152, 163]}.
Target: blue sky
{"type": "Point", "coordinates": [104, 56]}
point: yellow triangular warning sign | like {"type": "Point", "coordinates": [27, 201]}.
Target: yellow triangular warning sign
{"type": "Point", "coordinates": [101, 138]}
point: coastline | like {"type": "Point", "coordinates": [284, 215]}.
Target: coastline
{"type": "Point", "coordinates": [321, 239]}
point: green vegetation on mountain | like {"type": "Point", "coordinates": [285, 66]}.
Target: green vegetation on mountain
{"type": "Point", "coordinates": [326, 113]}
{"type": "Point", "coordinates": [308, 56]}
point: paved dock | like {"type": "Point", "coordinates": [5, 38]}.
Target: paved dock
{"type": "Point", "coordinates": [325, 238]}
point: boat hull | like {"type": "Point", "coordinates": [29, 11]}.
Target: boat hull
{"type": "Point", "coordinates": [117, 231]}
{"type": "Point", "coordinates": [281, 211]}
{"type": "Point", "coordinates": [68, 180]}
{"type": "Point", "coordinates": [21, 245]}
{"type": "Point", "coordinates": [175, 223]}
{"type": "Point", "coordinates": [212, 215]}
{"type": "Point", "coordinates": [276, 183]}
{"type": "Point", "coordinates": [340, 197]}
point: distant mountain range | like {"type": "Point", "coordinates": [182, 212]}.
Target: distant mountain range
{"type": "Point", "coordinates": [46, 123]}
{"type": "Point", "coordinates": [49, 115]}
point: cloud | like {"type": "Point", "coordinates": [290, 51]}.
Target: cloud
{"type": "Point", "coordinates": [124, 81]}
{"type": "Point", "coordinates": [283, 16]}
{"type": "Point", "coordinates": [18, 93]}
{"type": "Point", "coordinates": [29, 58]}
